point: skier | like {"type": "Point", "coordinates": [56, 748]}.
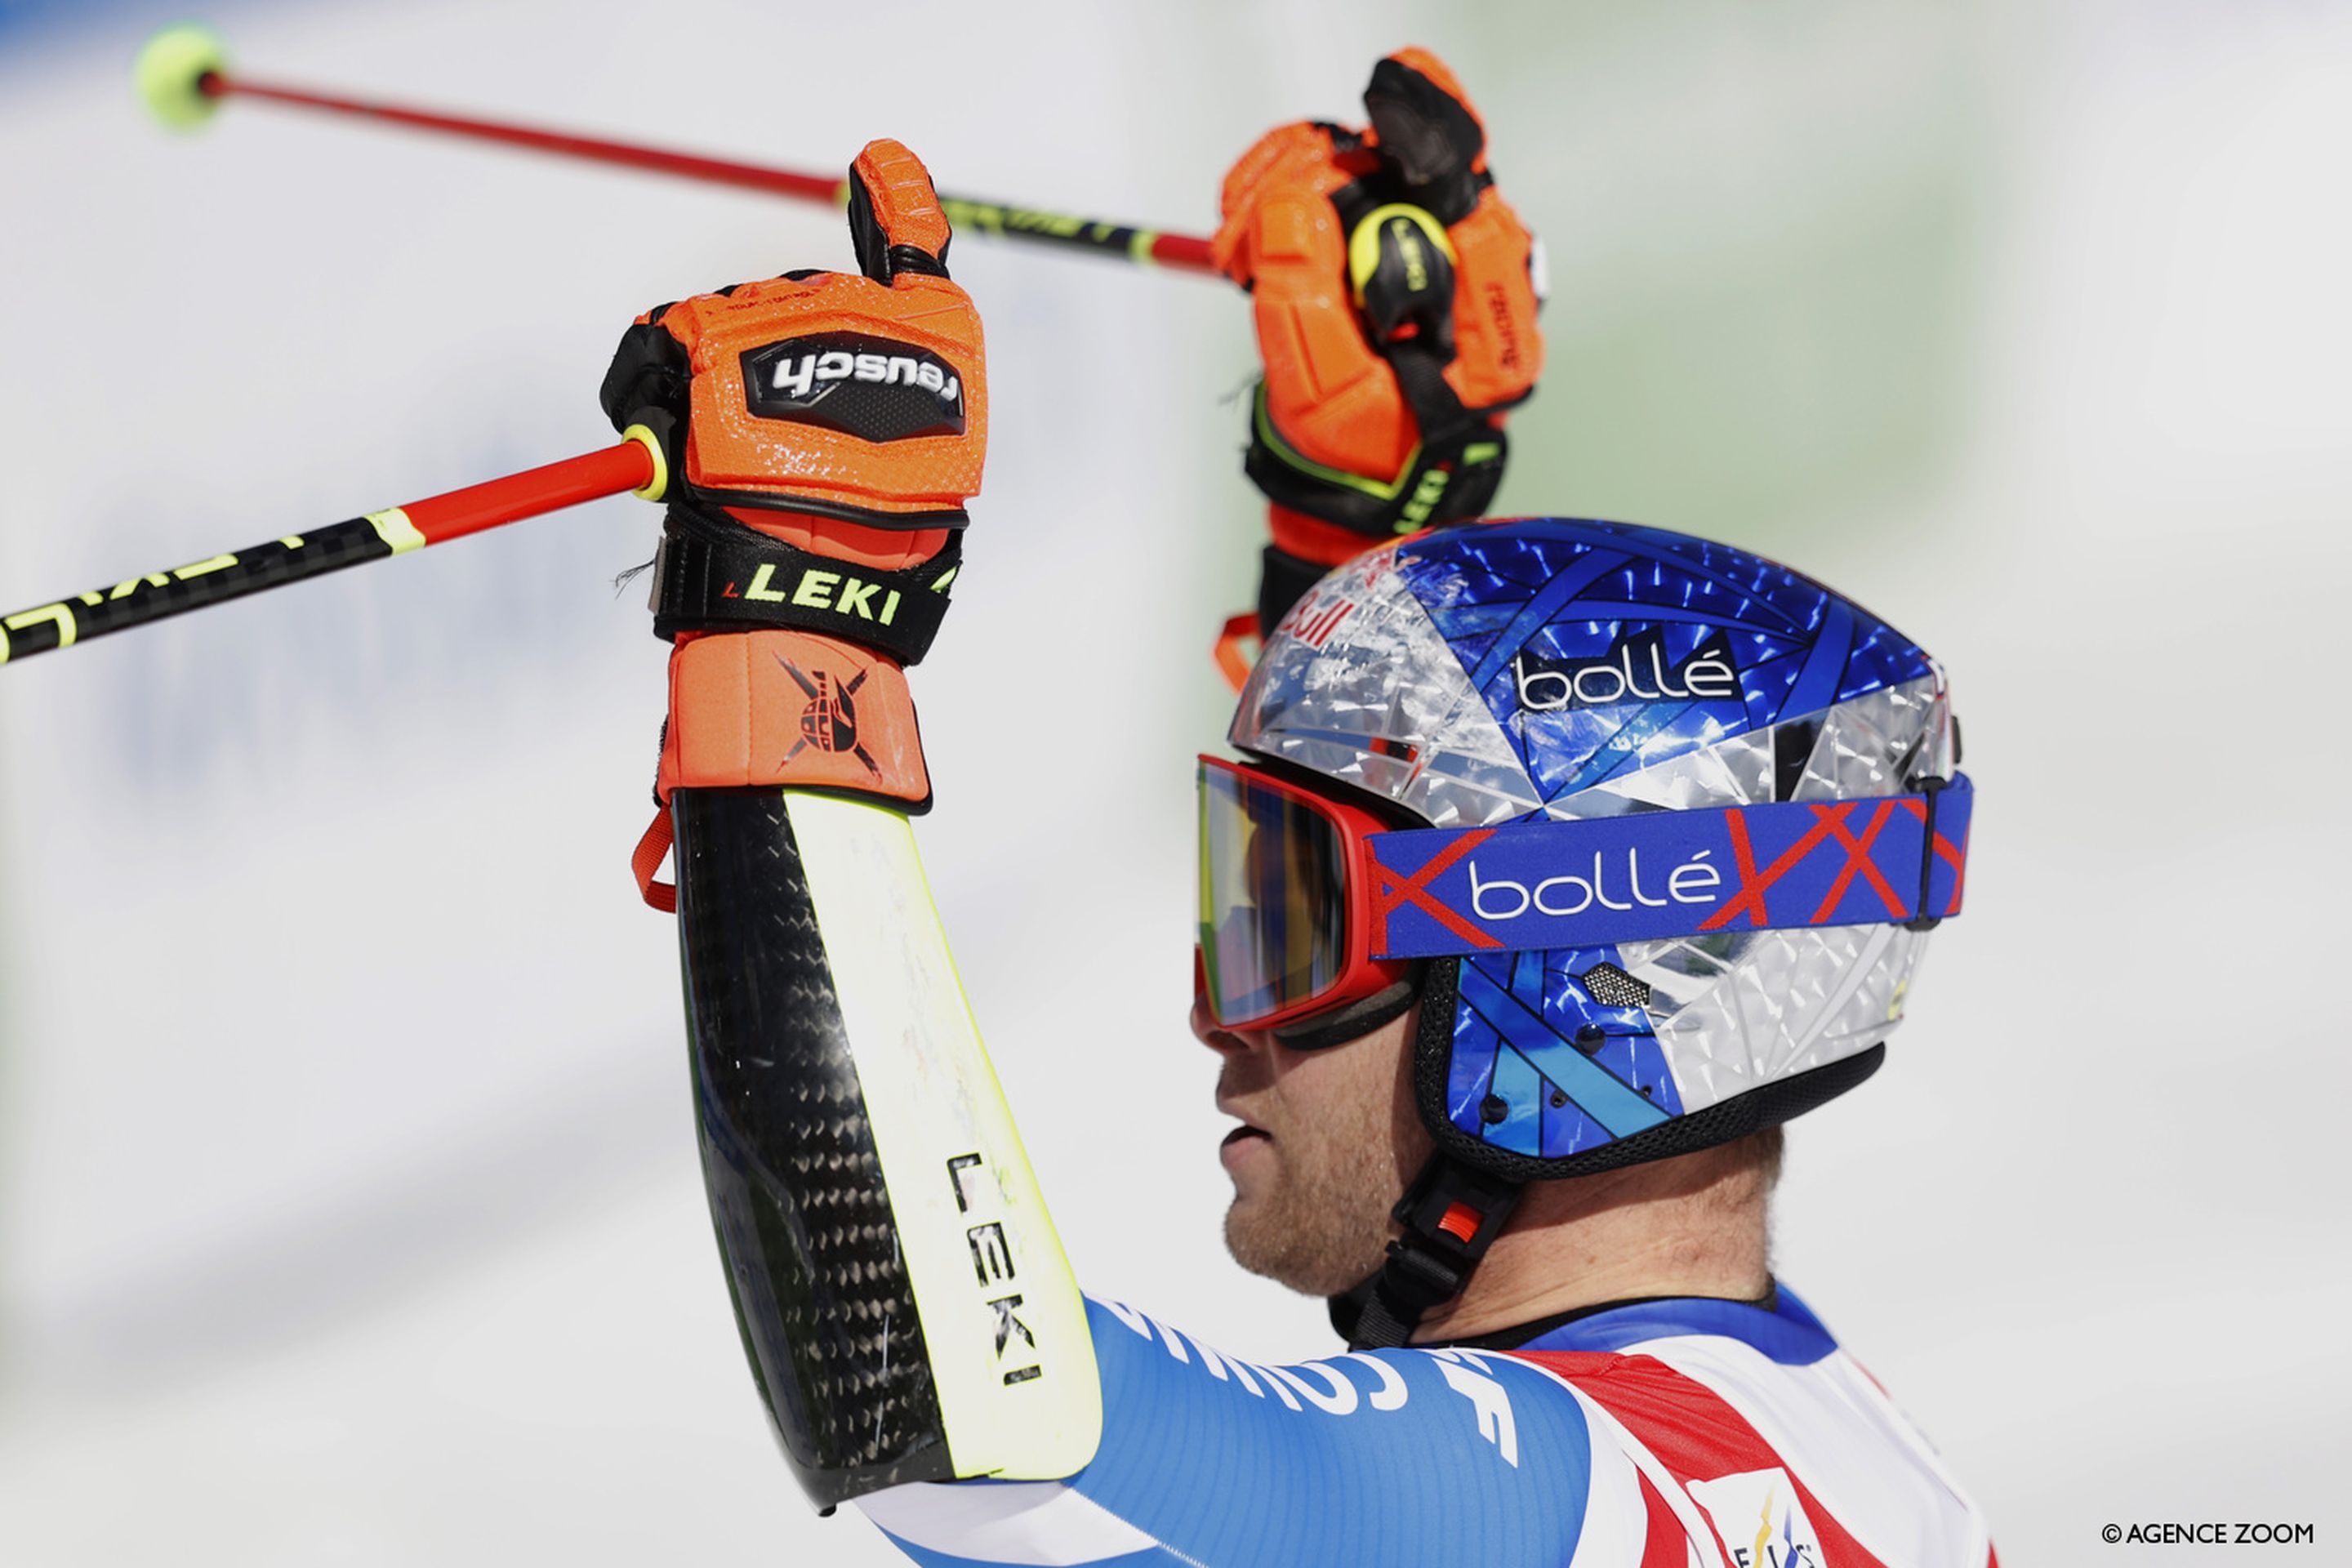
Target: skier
{"type": "Point", "coordinates": [1567, 860]}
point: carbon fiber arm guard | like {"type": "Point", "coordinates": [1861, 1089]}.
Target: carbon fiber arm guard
{"type": "Point", "coordinates": [903, 1299]}
{"type": "Point", "coordinates": [821, 1292]}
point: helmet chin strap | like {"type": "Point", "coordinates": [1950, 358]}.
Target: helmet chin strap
{"type": "Point", "coordinates": [1451, 1215]}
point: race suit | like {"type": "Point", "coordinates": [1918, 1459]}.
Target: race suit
{"type": "Point", "coordinates": [1657, 1433]}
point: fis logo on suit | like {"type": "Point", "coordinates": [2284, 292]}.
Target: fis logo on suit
{"type": "Point", "coordinates": [1760, 1519]}
{"type": "Point", "coordinates": [1637, 670]}
{"type": "Point", "coordinates": [877, 389]}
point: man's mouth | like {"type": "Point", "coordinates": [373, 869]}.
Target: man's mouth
{"type": "Point", "coordinates": [1242, 1147]}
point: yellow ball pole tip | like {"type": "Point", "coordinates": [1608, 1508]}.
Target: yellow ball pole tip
{"type": "Point", "coordinates": [171, 68]}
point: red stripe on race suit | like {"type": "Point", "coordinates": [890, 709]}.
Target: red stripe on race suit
{"type": "Point", "coordinates": [1664, 1543]}
{"type": "Point", "coordinates": [1695, 1434]}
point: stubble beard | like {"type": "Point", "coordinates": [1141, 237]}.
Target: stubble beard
{"type": "Point", "coordinates": [1321, 1224]}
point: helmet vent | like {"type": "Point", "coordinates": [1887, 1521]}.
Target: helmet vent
{"type": "Point", "coordinates": [1793, 747]}
{"type": "Point", "coordinates": [1612, 987]}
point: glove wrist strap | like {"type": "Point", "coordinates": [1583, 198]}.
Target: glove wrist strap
{"type": "Point", "coordinates": [1452, 473]}
{"type": "Point", "coordinates": [713, 574]}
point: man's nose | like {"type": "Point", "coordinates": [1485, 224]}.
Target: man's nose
{"type": "Point", "coordinates": [1205, 1028]}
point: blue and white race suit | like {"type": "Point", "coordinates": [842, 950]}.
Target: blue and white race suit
{"type": "Point", "coordinates": [1673, 1432]}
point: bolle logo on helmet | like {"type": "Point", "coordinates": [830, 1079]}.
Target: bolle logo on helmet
{"type": "Point", "coordinates": [877, 389]}
{"type": "Point", "coordinates": [1635, 670]}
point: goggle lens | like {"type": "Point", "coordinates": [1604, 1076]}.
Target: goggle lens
{"type": "Point", "coordinates": [1274, 902]}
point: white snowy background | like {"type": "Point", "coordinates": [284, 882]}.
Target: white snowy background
{"type": "Point", "coordinates": [349, 1210]}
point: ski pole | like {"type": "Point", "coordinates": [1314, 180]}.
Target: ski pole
{"type": "Point", "coordinates": [184, 76]}
{"type": "Point", "coordinates": [634, 464]}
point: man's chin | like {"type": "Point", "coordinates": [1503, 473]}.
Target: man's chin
{"type": "Point", "coordinates": [1304, 1259]}
{"type": "Point", "coordinates": [1248, 1238]}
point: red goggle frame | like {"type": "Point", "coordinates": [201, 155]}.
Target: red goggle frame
{"type": "Point", "coordinates": [1285, 914]}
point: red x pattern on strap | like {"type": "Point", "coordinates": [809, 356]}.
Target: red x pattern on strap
{"type": "Point", "coordinates": [1829, 822]}
{"type": "Point", "coordinates": [1857, 859]}
{"type": "Point", "coordinates": [1392, 889]}
{"type": "Point", "coordinates": [1750, 899]}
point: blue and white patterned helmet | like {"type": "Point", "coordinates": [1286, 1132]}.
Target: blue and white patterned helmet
{"type": "Point", "coordinates": [1548, 668]}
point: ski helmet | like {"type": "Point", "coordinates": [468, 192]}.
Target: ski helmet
{"type": "Point", "coordinates": [1654, 829]}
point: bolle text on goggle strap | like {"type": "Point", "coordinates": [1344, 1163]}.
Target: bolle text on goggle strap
{"type": "Point", "coordinates": [1439, 892]}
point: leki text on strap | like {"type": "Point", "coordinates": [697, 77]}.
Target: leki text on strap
{"type": "Point", "coordinates": [715, 575]}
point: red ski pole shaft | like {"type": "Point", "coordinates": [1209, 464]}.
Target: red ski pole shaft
{"type": "Point", "coordinates": [1186, 252]}
{"type": "Point", "coordinates": [632, 465]}
{"type": "Point", "coordinates": [716, 171]}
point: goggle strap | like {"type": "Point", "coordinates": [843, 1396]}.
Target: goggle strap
{"type": "Point", "coordinates": [1353, 1020]}
{"type": "Point", "coordinates": [1646, 876]}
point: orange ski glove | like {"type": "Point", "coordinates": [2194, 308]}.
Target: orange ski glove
{"type": "Point", "coordinates": [822, 432]}
{"type": "Point", "coordinates": [1394, 293]}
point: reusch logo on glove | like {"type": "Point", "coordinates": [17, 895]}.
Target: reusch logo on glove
{"type": "Point", "coordinates": [873, 388]}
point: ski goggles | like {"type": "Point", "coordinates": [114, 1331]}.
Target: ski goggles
{"type": "Point", "coordinates": [1309, 902]}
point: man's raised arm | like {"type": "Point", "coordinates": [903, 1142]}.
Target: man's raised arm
{"type": "Point", "coordinates": [903, 1299]}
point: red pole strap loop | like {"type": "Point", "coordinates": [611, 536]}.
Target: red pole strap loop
{"type": "Point", "coordinates": [651, 850]}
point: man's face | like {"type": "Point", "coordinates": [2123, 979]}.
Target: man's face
{"type": "Point", "coordinates": [1327, 1141]}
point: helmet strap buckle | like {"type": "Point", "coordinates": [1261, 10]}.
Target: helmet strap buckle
{"type": "Point", "coordinates": [1451, 1215]}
